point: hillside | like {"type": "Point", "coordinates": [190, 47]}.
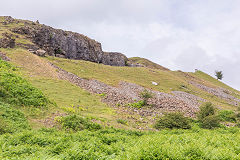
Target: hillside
{"type": "Point", "coordinates": [99, 97]}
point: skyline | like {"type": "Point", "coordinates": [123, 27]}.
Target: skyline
{"type": "Point", "coordinates": [184, 35]}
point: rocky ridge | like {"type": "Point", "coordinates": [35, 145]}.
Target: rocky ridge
{"type": "Point", "coordinates": [60, 43]}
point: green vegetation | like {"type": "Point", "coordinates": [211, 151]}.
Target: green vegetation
{"type": "Point", "coordinates": [11, 120]}
{"type": "Point", "coordinates": [146, 63]}
{"type": "Point", "coordinates": [138, 104]}
{"type": "Point", "coordinates": [114, 75]}
{"type": "Point", "coordinates": [207, 116]}
{"type": "Point", "coordinates": [210, 122]}
{"type": "Point", "coordinates": [145, 96]}
{"type": "Point", "coordinates": [16, 90]}
{"type": "Point", "coordinates": [83, 127]}
{"type": "Point", "coordinates": [173, 120]}
{"type": "Point", "coordinates": [120, 144]}
{"type": "Point", "coordinates": [76, 123]}
{"type": "Point", "coordinates": [227, 115]}
{"type": "Point", "coordinates": [122, 121]}
{"type": "Point", "coordinates": [219, 75]}
{"type": "Point", "coordinates": [206, 109]}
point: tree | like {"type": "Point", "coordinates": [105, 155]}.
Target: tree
{"type": "Point", "coordinates": [219, 75]}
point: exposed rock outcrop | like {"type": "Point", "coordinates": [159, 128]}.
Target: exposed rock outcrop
{"type": "Point", "coordinates": [7, 41]}
{"type": "Point", "coordinates": [114, 59]}
{"type": "Point", "coordinates": [8, 20]}
{"type": "Point", "coordinates": [71, 45]}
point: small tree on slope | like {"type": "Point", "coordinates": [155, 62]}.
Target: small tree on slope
{"type": "Point", "coordinates": [219, 75]}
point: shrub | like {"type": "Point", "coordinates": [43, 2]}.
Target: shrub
{"type": "Point", "coordinates": [138, 104]}
{"type": "Point", "coordinates": [145, 95]}
{"type": "Point", "coordinates": [122, 121]}
{"type": "Point", "coordinates": [173, 120]}
{"type": "Point", "coordinates": [206, 109]}
{"type": "Point", "coordinates": [227, 115]}
{"type": "Point", "coordinates": [207, 116]}
{"type": "Point", "coordinates": [210, 122]}
{"type": "Point", "coordinates": [76, 123]}
{"type": "Point", "coordinates": [219, 75]}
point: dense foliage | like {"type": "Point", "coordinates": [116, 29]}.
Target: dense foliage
{"type": "Point", "coordinates": [77, 123]}
{"type": "Point", "coordinates": [11, 120]}
{"type": "Point", "coordinates": [16, 90]}
{"type": "Point", "coordinates": [173, 120]}
{"type": "Point", "coordinates": [119, 144]}
{"type": "Point", "coordinates": [227, 115]}
{"type": "Point", "coordinates": [207, 116]}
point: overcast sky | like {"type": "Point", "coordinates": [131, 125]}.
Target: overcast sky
{"type": "Point", "coordinates": [178, 34]}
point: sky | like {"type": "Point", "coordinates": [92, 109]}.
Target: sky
{"type": "Point", "coordinates": [177, 34]}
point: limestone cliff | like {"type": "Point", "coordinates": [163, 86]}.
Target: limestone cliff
{"type": "Point", "coordinates": [66, 44]}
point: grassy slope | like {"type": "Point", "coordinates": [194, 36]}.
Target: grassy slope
{"type": "Point", "coordinates": [108, 143]}
{"type": "Point", "coordinates": [66, 95]}
{"type": "Point", "coordinates": [168, 80]}
{"type": "Point", "coordinates": [146, 62]}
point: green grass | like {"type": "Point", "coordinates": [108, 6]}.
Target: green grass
{"type": "Point", "coordinates": [113, 75]}
{"type": "Point", "coordinates": [79, 135]}
{"type": "Point", "coordinates": [121, 144]}
{"type": "Point", "coordinates": [11, 119]}
{"type": "Point", "coordinates": [16, 90]}
{"type": "Point", "coordinates": [66, 94]}
{"type": "Point", "coordinates": [146, 63]}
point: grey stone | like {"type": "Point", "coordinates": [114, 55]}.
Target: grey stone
{"type": "Point", "coordinates": [57, 42]}
{"type": "Point", "coordinates": [7, 42]}
{"type": "Point", "coordinates": [40, 53]}
{"type": "Point", "coordinates": [114, 59]}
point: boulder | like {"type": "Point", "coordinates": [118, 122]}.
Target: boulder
{"type": "Point", "coordinates": [8, 20]}
{"type": "Point", "coordinates": [40, 53]}
{"type": "Point", "coordinates": [7, 42]}
{"type": "Point", "coordinates": [114, 59]}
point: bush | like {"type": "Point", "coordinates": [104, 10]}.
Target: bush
{"type": "Point", "coordinates": [145, 95]}
{"type": "Point", "coordinates": [138, 104]}
{"type": "Point", "coordinates": [76, 123]}
{"type": "Point", "coordinates": [173, 120]}
{"type": "Point", "coordinates": [206, 109]}
{"type": "Point", "coordinates": [226, 115]}
{"type": "Point", "coordinates": [210, 122]}
{"type": "Point", "coordinates": [122, 121]}
{"type": "Point", "coordinates": [207, 117]}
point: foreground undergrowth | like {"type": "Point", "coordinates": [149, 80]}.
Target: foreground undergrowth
{"type": "Point", "coordinates": [121, 144]}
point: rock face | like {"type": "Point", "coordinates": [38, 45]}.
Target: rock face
{"type": "Point", "coordinates": [66, 44]}
{"type": "Point", "coordinates": [7, 41]}
{"type": "Point", "coordinates": [114, 59]}
{"type": "Point", "coordinates": [8, 20]}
